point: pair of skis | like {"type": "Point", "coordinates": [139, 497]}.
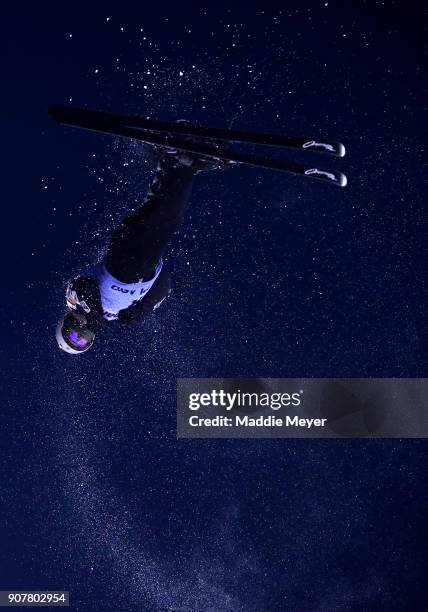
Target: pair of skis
{"type": "Point", "coordinates": [196, 140]}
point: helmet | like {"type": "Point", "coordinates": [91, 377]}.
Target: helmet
{"type": "Point", "coordinates": [72, 335]}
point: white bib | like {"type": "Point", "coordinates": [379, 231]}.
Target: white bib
{"type": "Point", "coordinates": [117, 296]}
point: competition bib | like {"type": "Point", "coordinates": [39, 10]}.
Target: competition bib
{"type": "Point", "coordinates": [117, 296]}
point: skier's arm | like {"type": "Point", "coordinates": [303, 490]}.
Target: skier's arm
{"type": "Point", "coordinates": [154, 298]}
{"type": "Point", "coordinates": [83, 296]}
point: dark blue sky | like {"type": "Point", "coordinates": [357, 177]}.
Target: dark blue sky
{"type": "Point", "coordinates": [273, 276]}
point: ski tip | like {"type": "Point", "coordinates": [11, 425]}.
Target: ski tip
{"type": "Point", "coordinates": [331, 147]}
{"type": "Point", "coordinates": [332, 177]}
{"type": "Point", "coordinates": [341, 150]}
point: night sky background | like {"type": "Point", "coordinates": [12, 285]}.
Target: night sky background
{"type": "Point", "coordinates": [273, 275]}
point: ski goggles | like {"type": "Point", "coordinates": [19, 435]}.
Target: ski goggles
{"type": "Point", "coordinates": [77, 339]}
{"type": "Point", "coordinates": [76, 334]}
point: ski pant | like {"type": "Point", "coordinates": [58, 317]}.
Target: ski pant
{"type": "Point", "coordinates": [138, 243]}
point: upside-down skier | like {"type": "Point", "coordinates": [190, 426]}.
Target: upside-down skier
{"type": "Point", "coordinates": [131, 282]}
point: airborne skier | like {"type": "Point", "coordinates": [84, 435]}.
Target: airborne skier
{"type": "Point", "coordinates": [131, 282]}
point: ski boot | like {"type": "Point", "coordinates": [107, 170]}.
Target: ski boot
{"type": "Point", "coordinates": [198, 163]}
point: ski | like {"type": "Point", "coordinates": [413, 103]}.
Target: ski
{"type": "Point", "coordinates": [69, 115]}
{"type": "Point", "coordinates": [90, 120]}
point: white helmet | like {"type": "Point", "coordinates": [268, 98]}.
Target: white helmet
{"type": "Point", "coordinates": [72, 335]}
